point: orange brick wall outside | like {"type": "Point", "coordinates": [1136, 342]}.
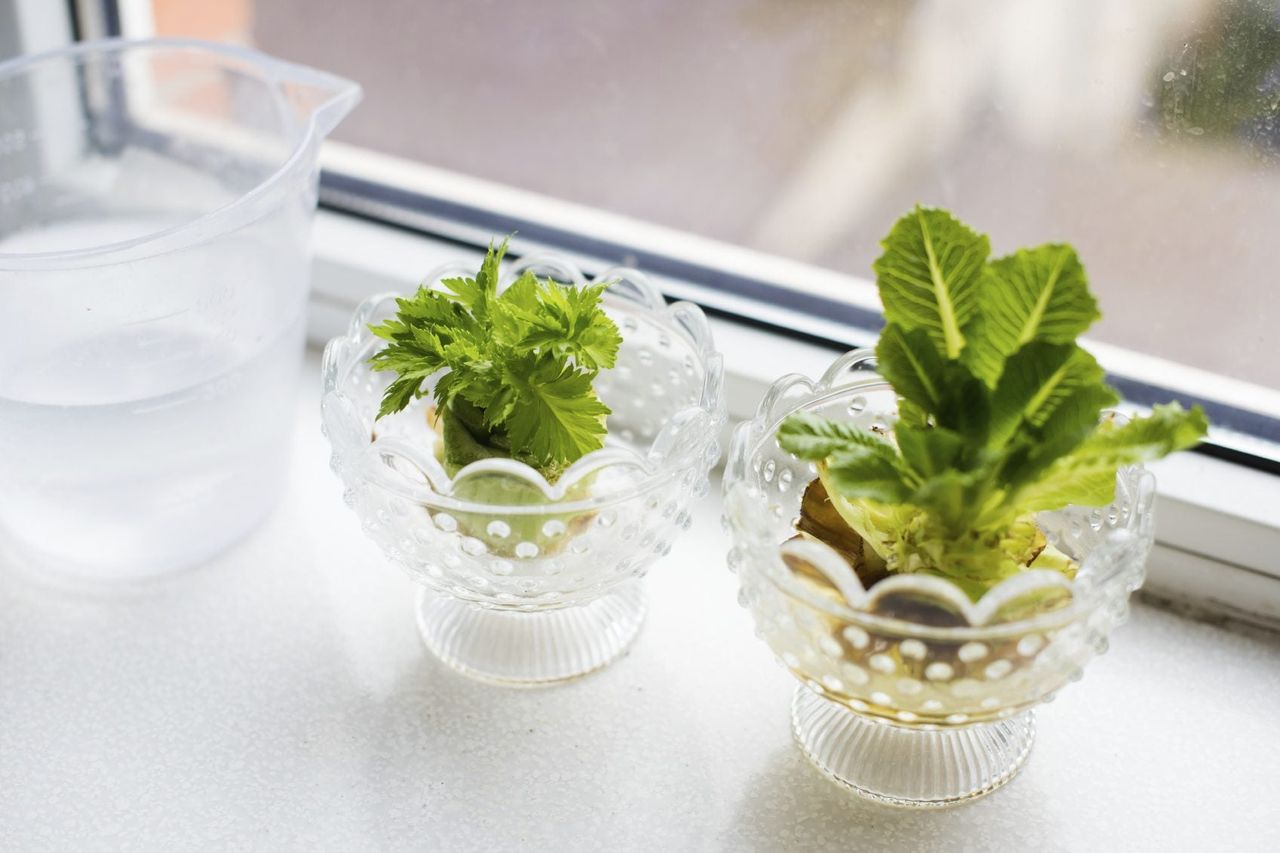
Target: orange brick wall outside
{"type": "Point", "coordinates": [211, 20]}
{"type": "Point", "coordinates": [215, 20]}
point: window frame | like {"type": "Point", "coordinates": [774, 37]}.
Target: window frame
{"type": "Point", "coordinates": [31, 26]}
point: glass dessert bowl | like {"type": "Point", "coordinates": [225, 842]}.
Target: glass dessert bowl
{"type": "Point", "coordinates": [910, 693]}
{"type": "Point", "coordinates": [525, 581]}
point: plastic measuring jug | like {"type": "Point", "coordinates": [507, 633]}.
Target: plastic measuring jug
{"type": "Point", "coordinates": [156, 200]}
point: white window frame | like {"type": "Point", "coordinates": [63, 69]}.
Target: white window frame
{"type": "Point", "coordinates": [32, 26]}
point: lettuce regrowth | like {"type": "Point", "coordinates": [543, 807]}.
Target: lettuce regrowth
{"type": "Point", "coordinates": [515, 368]}
{"type": "Point", "coordinates": [1000, 412]}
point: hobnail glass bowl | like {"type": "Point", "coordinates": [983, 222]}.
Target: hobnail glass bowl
{"type": "Point", "coordinates": [910, 693]}
{"type": "Point", "coordinates": [545, 584]}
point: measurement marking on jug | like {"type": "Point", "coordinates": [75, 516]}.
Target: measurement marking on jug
{"type": "Point", "coordinates": [158, 318]}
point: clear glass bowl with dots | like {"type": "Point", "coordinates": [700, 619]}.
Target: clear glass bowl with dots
{"type": "Point", "coordinates": [910, 694]}
{"type": "Point", "coordinates": [545, 584]}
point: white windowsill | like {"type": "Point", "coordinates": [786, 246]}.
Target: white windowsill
{"type": "Point", "coordinates": [1218, 524]}
{"type": "Point", "coordinates": [280, 698]}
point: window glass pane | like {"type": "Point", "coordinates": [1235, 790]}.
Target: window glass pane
{"type": "Point", "coordinates": [1147, 132]}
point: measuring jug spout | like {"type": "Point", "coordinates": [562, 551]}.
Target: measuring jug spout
{"type": "Point", "coordinates": [319, 100]}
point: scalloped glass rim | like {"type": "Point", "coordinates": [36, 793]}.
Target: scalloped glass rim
{"type": "Point", "coordinates": [663, 460]}
{"type": "Point", "coordinates": [1099, 569]}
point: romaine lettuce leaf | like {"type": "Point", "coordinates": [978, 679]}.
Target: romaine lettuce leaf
{"type": "Point", "coordinates": [1000, 409]}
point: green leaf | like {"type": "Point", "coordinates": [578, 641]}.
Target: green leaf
{"type": "Point", "coordinates": [966, 405]}
{"type": "Point", "coordinates": [1087, 476]}
{"type": "Point", "coordinates": [398, 395]}
{"type": "Point", "coordinates": [476, 294]}
{"type": "Point", "coordinates": [1034, 450]}
{"type": "Point", "coordinates": [912, 414]}
{"type": "Point", "coordinates": [558, 417]}
{"type": "Point", "coordinates": [865, 473]}
{"type": "Point", "coordinates": [446, 388]}
{"type": "Point", "coordinates": [594, 339]}
{"type": "Point", "coordinates": [912, 365]}
{"type": "Point", "coordinates": [814, 437]}
{"type": "Point", "coordinates": [929, 276]}
{"type": "Point", "coordinates": [424, 341]}
{"type": "Point", "coordinates": [427, 307]}
{"type": "Point", "coordinates": [859, 462]}
{"type": "Point", "coordinates": [1036, 381]}
{"type": "Point", "coordinates": [570, 322]}
{"type": "Point", "coordinates": [480, 384]}
{"type": "Point", "coordinates": [516, 310]}
{"type": "Point", "coordinates": [597, 345]}
{"type": "Point", "coordinates": [467, 292]}
{"type": "Point", "coordinates": [936, 389]}
{"type": "Point", "coordinates": [928, 451]}
{"type": "Point", "coordinates": [1038, 294]}
{"type": "Point", "coordinates": [488, 276]}
{"type": "Point", "coordinates": [388, 330]}
{"type": "Point", "coordinates": [950, 496]}
{"type": "Point", "coordinates": [501, 406]}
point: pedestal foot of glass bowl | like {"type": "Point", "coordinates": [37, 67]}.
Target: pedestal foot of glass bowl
{"type": "Point", "coordinates": [909, 767]}
{"type": "Point", "coordinates": [531, 647]}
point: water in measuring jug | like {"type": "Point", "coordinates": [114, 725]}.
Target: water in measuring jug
{"type": "Point", "coordinates": [155, 210]}
{"type": "Point", "coordinates": [129, 448]}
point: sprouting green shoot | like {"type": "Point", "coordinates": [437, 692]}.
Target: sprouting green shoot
{"type": "Point", "coordinates": [515, 369]}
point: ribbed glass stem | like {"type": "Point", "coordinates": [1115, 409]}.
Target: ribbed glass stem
{"type": "Point", "coordinates": [538, 647]}
{"type": "Point", "coordinates": [908, 766]}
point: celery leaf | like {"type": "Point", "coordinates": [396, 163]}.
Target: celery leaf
{"type": "Point", "coordinates": [515, 369]}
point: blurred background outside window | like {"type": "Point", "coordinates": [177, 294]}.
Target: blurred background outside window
{"type": "Point", "coordinates": [1146, 132]}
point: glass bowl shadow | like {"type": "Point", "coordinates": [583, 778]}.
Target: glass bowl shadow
{"type": "Point", "coordinates": [910, 694]}
{"type": "Point", "coordinates": [524, 581]}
